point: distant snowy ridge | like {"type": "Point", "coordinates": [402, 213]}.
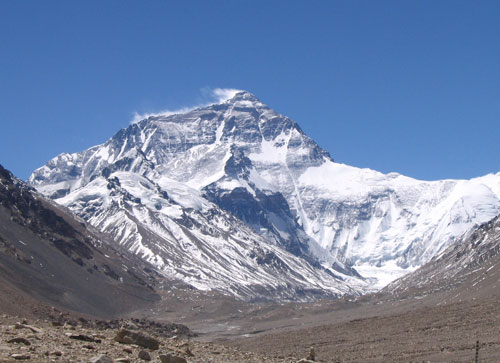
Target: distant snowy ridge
{"type": "Point", "coordinates": [239, 158]}
{"type": "Point", "coordinates": [464, 270]}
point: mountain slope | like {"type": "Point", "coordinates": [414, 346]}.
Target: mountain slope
{"type": "Point", "coordinates": [470, 269]}
{"type": "Point", "coordinates": [48, 257]}
{"type": "Point", "coordinates": [260, 167]}
{"type": "Point", "coordinates": [195, 241]}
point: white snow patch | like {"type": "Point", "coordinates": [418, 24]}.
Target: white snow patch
{"type": "Point", "coordinates": [382, 276]}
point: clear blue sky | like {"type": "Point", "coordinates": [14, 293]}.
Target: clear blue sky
{"type": "Point", "coordinates": [406, 86]}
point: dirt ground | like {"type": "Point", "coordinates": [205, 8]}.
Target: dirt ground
{"type": "Point", "coordinates": [431, 334]}
{"type": "Point", "coordinates": [367, 329]}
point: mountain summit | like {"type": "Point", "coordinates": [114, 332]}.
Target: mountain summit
{"type": "Point", "coordinates": [236, 197]}
{"type": "Point", "coordinates": [244, 96]}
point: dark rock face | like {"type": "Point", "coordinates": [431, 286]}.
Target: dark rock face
{"type": "Point", "coordinates": [262, 211]}
{"type": "Point", "coordinates": [238, 164]}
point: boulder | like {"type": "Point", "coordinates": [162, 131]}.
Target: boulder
{"type": "Point", "coordinates": [125, 336]}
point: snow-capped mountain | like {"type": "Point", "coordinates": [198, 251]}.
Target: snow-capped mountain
{"type": "Point", "coordinates": [207, 194]}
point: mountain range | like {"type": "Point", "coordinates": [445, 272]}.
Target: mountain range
{"type": "Point", "coordinates": [235, 197]}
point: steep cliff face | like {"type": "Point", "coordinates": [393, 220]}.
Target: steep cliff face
{"type": "Point", "coordinates": [240, 169]}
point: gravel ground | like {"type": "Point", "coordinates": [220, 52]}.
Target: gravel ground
{"type": "Point", "coordinates": [41, 341]}
{"type": "Point", "coordinates": [434, 334]}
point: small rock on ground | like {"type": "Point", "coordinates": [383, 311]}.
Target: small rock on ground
{"type": "Point", "coordinates": [21, 356]}
{"type": "Point", "coordinates": [170, 358]}
{"type": "Point", "coordinates": [19, 340]}
{"type": "Point", "coordinates": [101, 359]}
{"type": "Point", "coordinates": [144, 355]}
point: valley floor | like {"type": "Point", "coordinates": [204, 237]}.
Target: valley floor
{"type": "Point", "coordinates": [426, 334]}
{"type": "Point", "coordinates": [368, 329]}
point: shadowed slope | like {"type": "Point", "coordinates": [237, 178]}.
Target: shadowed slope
{"type": "Point", "coordinates": [48, 257]}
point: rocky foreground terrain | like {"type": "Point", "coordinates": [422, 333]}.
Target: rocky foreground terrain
{"type": "Point", "coordinates": [388, 332]}
{"type": "Point", "coordinates": [62, 340]}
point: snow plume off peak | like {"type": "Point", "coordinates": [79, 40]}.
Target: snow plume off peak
{"type": "Point", "coordinates": [224, 94]}
{"type": "Point", "coordinates": [214, 96]}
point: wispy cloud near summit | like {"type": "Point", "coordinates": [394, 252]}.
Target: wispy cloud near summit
{"type": "Point", "coordinates": [216, 95]}
{"type": "Point", "coordinates": [224, 94]}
